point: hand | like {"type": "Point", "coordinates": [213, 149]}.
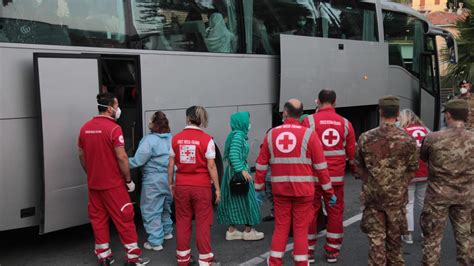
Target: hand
{"type": "Point", "coordinates": [260, 195]}
{"type": "Point", "coordinates": [130, 186]}
{"type": "Point", "coordinates": [352, 169]}
{"type": "Point", "coordinates": [171, 186]}
{"type": "Point", "coordinates": [332, 200]}
{"type": "Point", "coordinates": [218, 196]}
{"type": "Point", "coordinates": [247, 176]}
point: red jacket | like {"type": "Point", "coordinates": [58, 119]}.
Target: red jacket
{"type": "Point", "coordinates": [296, 158]}
{"type": "Point", "coordinates": [419, 132]}
{"type": "Point", "coordinates": [338, 138]}
{"type": "Point", "coordinates": [189, 148]}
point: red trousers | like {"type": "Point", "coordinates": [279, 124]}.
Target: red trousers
{"type": "Point", "coordinates": [288, 210]}
{"type": "Point", "coordinates": [335, 228]}
{"type": "Point", "coordinates": [197, 201]}
{"type": "Point", "coordinates": [113, 203]}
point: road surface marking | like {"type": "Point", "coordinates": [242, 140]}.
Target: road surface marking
{"type": "Point", "coordinates": [263, 257]}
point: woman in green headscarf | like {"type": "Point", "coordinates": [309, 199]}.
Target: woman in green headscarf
{"type": "Point", "coordinates": [238, 209]}
{"type": "Point", "coordinates": [218, 38]}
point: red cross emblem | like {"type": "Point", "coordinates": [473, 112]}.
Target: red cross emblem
{"type": "Point", "coordinates": [286, 142]}
{"type": "Point", "coordinates": [187, 154]}
{"type": "Point", "coordinates": [330, 137]}
{"type": "Point", "coordinates": [419, 135]}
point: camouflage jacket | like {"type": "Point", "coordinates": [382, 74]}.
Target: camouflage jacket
{"type": "Point", "coordinates": [384, 158]}
{"type": "Point", "coordinates": [470, 101]}
{"type": "Point", "coordinates": [449, 154]}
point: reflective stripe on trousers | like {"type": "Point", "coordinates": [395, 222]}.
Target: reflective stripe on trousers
{"type": "Point", "coordinates": [295, 179]}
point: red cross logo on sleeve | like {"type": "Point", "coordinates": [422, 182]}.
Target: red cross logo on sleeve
{"type": "Point", "coordinates": [330, 137]}
{"type": "Point", "coordinates": [286, 142]}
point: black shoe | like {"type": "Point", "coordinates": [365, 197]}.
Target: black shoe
{"type": "Point", "coordinates": [268, 218]}
{"type": "Point", "coordinates": [141, 261]}
{"type": "Point", "coordinates": [107, 261]}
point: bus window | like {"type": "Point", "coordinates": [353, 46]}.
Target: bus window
{"type": "Point", "coordinates": [406, 38]}
{"type": "Point", "coordinates": [63, 22]}
{"type": "Point", "coordinates": [186, 25]}
{"type": "Point", "coordinates": [331, 19]}
{"type": "Point", "coordinates": [348, 20]}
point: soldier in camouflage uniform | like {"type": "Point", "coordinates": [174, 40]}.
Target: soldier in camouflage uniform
{"type": "Point", "coordinates": [386, 159]}
{"type": "Point", "coordinates": [449, 154]}
{"type": "Point", "coordinates": [467, 95]}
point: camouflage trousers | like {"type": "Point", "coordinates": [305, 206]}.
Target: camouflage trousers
{"type": "Point", "coordinates": [434, 218]}
{"type": "Point", "coordinates": [472, 234]}
{"type": "Point", "coordinates": [384, 229]}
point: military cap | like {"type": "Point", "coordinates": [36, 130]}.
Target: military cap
{"type": "Point", "coordinates": [389, 100]}
{"type": "Point", "coordinates": [456, 104]}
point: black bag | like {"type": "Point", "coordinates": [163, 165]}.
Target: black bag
{"type": "Point", "coordinates": [238, 184]}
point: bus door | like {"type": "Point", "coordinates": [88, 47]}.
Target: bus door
{"type": "Point", "coordinates": [430, 97]}
{"type": "Point", "coordinates": [67, 85]}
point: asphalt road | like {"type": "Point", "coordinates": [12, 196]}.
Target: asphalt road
{"type": "Point", "coordinates": [75, 246]}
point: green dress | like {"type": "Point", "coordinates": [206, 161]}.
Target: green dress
{"type": "Point", "coordinates": [237, 209]}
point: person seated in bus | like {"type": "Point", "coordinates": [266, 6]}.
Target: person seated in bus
{"type": "Point", "coordinates": [155, 199]}
{"type": "Point", "coordinates": [260, 38]}
{"type": "Point", "coordinates": [175, 25]}
{"type": "Point", "coordinates": [303, 27]}
{"type": "Point", "coordinates": [218, 38]}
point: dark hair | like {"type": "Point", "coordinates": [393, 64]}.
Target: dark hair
{"type": "Point", "coordinates": [389, 111]}
{"type": "Point", "coordinates": [197, 115]}
{"type": "Point", "coordinates": [459, 114]}
{"type": "Point", "coordinates": [292, 111]}
{"type": "Point", "coordinates": [159, 123]}
{"type": "Point", "coordinates": [327, 96]}
{"type": "Point", "coordinates": [105, 98]}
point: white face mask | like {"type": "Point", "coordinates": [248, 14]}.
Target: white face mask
{"type": "Point", "coordinates": [250, 126]}
{"type": "Point", "coordinates": [397, 124]}
{"type": "Point", "coordinates": [463, 90]}
{"type": "Point", "coordinates": [118, 112]}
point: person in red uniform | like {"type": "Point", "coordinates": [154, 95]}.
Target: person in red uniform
{"type": "Point", "coordinates": [193, 153]}
{"type": "Point", "coordinates": [338, 139]}
{"type": "Point", "coordinates": [413, 125]}
{"type": "Point", "coordinates": [294, 154]}
{"type": "Point", "coordinates": [103, 157]}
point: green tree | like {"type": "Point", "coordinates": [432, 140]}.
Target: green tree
{"type": "Point", "coordinates": [464, 69]}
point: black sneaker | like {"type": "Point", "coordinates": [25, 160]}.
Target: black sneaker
{"type": "Point", "coordinates": [268, 218]}
{"type": "Point", "coordinates": [141, 261]}
{"type": "Point", "coordinates": [107, 261]}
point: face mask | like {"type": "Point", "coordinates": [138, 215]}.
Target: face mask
{"type": "Point", "coordinates": [397, 124]}
{"type": "Point", "coordinates": [250, 126]}
{"type": "Point", "coordinates": [118, 112]}
{"type": "Point", "coordinates": [301, 23]}
{"type": "Point", "coordinates": [463, 90]}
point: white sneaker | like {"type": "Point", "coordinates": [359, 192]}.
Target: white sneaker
{"type": "Point", "coordinates": [253, 235]}
{"type": "Point", "coordinates": [408, 239]}
{"type": "Point", "coordinates": [168, 237]}
{"type": "Point", "coordinates": [150, 247]}
{"type": "Point", "coordinates": [235, 235]}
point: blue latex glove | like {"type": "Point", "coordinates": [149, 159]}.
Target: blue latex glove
{"type": "Point", "coordinates": [260, 196]}
{"type": "Point", "coordinates": [332, 200]}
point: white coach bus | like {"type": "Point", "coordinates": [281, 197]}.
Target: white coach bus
{"type": "Point", "coordinates": [226, 55]}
